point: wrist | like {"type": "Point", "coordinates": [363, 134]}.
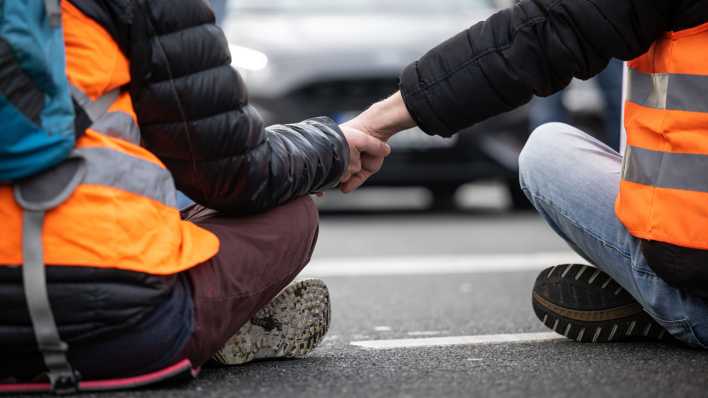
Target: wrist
{"type": "Point", "coordinates": [388, 117]}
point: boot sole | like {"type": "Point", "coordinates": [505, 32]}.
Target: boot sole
{"type": "Point", "coordinates": [620, 323]}
{"type": "Point", "coordinates": [290, 326]}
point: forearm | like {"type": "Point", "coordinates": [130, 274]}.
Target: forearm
{"type": "Point", "coordinates": [285, 162]}
{"type": "Point", "coordinates": [294, 160]}
{"type": "Point", "coordinates": [534, 48]}
{"type": "Point", "coordinates": [386, 118]}
{"type": "Point", "coordinates": [313, 155]}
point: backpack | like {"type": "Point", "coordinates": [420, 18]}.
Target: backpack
{"type": "Point", "coordinates": [36, 144]}
{"type": "Point", "coordinates": [36, 108]}
{"type": "Point", "coordinates": [41, 119]}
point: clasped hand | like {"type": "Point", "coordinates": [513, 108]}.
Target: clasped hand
{"type": "Point", "coordinates": [367, 135]}
{"type": "Point", "coordinates": [366, 156]}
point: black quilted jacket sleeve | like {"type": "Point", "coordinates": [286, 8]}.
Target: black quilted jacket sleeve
{"type": "Point", "coordinates": [534, 48]}
{"type": "Point", "coordinates": [194, 115]}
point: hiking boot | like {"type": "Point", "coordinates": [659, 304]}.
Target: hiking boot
{"type": "Point", "coordinates": [584, 304]}
{"type": "Point", "coordinates": [290, 326]}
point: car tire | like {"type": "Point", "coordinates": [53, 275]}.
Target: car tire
{"type": "Point", "coordinates": [519, 201]}
{"type": "Point", "coordinates": [444, 197]}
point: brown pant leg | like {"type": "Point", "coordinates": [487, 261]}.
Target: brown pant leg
{"type": "Point", "coordinates": [259, 255]}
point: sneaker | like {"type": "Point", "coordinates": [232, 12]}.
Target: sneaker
{"type": "Point", "coordinates": [584, 304]}
{"type": "Point", "coordinates": [290, 326]}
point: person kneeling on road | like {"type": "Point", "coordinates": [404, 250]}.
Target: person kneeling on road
{"type": "Point", "coordinates": [135, 287]}
{"type": "Point", "coordinates": [641, 218]}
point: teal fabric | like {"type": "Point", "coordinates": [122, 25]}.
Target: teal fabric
{"type": "Point", "coordinates": [25, 147]}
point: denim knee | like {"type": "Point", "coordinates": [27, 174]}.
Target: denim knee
{"type": "Point", "coordinates": [538, 154]}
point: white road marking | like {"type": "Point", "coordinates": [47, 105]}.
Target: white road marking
{"type": "Point", "coordinates": [457, 340]}
{"type": "Point", "coordinates": [437, 265]}
{"type": "Point", "coordinates": [382, 328]}
{"type": "Point", "coordinates": [426, 333]}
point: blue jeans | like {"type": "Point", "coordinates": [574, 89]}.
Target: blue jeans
{"type": "Point", "coordinates": [183, 201]}
{"type": "Point", "coordinates": [573, 180]}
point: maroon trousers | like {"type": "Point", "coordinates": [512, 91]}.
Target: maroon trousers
{"type": "Point", "coordinates": [259, 255]}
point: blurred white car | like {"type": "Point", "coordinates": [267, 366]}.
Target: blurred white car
{"type": "Point", "coordinates": [304, 58]}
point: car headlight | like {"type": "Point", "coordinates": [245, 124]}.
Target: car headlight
{"type": "Point", "coordinates": [247, 58]}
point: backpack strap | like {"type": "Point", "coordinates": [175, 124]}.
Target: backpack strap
{"type": "Point", "coordinates": [53, 12]}
{"type": "Point", "coordinates": [89, 111]}
{"type": "Point", "coordinates": [37, 195]}
{"type": "Point", "coordinates": [94, 109]}
{"type": "Point", "coordinates": [61, 375]}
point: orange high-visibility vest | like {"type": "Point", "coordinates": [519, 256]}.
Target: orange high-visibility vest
{"type": "Point", "coordinates": [664, 186]}
{"type": "Point", "coordinates": [124, 214]}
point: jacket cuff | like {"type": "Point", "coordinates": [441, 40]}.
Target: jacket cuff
{"type": "Point", "coordinates": [340, 151]}
{"type": "Point", "coordinates": [415, 97]}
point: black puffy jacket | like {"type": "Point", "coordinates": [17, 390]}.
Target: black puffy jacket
{"type": "Point", "coordinates": [194, 115]}
{"type": "Point", "coordinates": [534, 48]}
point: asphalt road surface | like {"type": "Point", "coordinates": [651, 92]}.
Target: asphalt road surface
{"type": "Point", "coordinates": [437, 305]}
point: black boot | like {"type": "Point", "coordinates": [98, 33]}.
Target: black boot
{"type": "Point", "coordinates": [585, 304]}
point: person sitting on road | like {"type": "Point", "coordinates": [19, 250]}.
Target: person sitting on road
{"type": "Point", "coordinates": [135, 287]}
{"type": "Point", "coordinates": [641, 218]}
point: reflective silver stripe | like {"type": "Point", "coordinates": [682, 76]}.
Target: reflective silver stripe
{"type": "Point", "coordinates": [114, 168]}
{"type": "Point", "coordinates": [679, 92]}
{"type": "Point", "coordinates": [118, 125]}
{"type": "Point", "coordinates": [113, 124]}
{"type": "Point", "coordinates": [128, 173]}
{"type": "Point", "coordinates": [666, 170]}
{"type": "Point", "coordinates": [94, 109]}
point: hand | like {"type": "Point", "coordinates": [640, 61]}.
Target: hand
{"type": "Point", "coordinates": [384, 119]}
{"type": "Point", "coordinates": [380, 122]}
{"type": "Point", "coordinates": [366, 156]}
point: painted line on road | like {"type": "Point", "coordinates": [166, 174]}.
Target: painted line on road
{"type": "Point", "coordinates": [427, 333]}
{"type": "Point", "coordinates": [458, 340]}
{"type": "Point", "coordinates": [438, 265]}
